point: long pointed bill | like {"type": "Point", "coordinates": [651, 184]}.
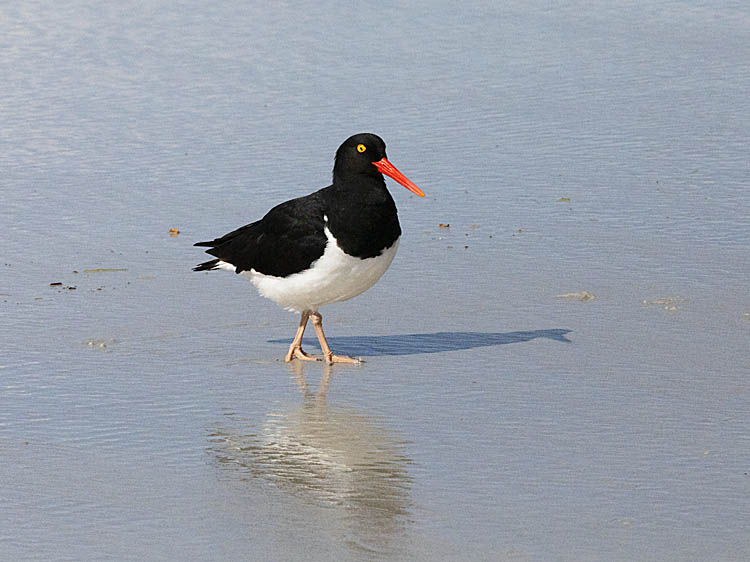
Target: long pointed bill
{"type": "Point", "coordinates": [385, 167]}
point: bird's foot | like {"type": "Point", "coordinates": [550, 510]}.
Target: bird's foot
{"type": "Point", "coordinates": [297, 353]}
{"type": "Point", "coordinates": [331, 359]}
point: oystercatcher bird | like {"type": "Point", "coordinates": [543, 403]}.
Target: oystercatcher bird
{"type": "Point", "coordinates": [326, 247]}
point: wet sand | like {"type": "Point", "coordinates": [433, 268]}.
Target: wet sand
{"type": "Point", "coordinates": [555, 364]}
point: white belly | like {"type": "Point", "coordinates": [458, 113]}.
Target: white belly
{"type": "Point", "coordinates": [333, 277]}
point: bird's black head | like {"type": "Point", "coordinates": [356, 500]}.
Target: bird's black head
{"type": "Point", "coordinates": [364, 155]}
{"type": "Point", "coordinates": [356, 155]}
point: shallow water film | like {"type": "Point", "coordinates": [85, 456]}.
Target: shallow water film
{"type": "Point", "coordinates": [556, 364]}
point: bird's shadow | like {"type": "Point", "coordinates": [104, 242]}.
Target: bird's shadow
{"type": "Point", "coordinates": [412, 344]}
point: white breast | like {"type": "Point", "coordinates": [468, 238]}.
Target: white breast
{"type": "Point", "coordinates": [333, 277]}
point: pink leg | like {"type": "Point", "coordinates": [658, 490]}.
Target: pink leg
{"type": "Point", "coordinates": [295, 350]}
{"type": "Point", "coordinates": [330, 358]}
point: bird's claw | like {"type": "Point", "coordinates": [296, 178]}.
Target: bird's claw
{"type": "Point", "coordinates": [332, 358]}
{"type": "Point", "coordinates": [297, 353]}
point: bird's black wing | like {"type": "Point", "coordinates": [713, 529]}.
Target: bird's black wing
{"type": "Point", "coordinates": [285, 241]}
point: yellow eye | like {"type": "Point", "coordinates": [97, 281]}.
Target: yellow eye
{"type": "Point", "coordinates": [361, 148]}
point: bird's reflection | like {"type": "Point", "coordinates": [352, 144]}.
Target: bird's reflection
{"type": "Point", "coordinates": [332, 456]}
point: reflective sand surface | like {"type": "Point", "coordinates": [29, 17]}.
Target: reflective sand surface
{"type": "Point", "coordinates": [144, 410]}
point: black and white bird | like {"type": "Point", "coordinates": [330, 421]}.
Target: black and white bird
{"type": "Point", "coordinates": [326, 247]}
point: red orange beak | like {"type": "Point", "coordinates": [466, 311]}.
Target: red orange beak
{"type": "Point", "coordinates": [385, 167]}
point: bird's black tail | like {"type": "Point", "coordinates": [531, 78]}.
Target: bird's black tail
{"type": "Point", "coordinates": [206, 265]}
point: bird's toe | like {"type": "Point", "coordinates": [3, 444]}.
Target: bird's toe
{"type": "Point", "coordinates": [332, 358]}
